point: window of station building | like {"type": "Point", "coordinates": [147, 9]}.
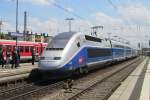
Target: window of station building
{"type": "Point", "coordinates": [95, 39]}
{"type": "Point", "coordinates": [98, 52]}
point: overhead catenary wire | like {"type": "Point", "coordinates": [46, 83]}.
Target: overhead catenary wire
{"type": "Point", "coordinates": [124, 19]}
{"type": "Point", "coordinates": [116, 9]}
{"type": "Point", "coordinates": [138, 27]}
{"type": "Point", "coordinates": [68, 11]}
{"type": "Point", "coordinates": [111, 3]}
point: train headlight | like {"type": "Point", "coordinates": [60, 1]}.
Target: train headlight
{"type": "Point", "coordinates": [42, 58]}
{"type": "Point", "coordinates": [50, 58]}
{"type": "Point", "coordinates": [70, 68]}
{"type": "Point", "coordinates": [57, 58]}
{"type": "Point", "coordinates": [70, 65]}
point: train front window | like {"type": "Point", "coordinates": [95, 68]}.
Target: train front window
{"type": "Point", "coordinates": [61, 40]}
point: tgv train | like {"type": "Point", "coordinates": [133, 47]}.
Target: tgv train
{"type": "Point", "coordinates": [77, 52]}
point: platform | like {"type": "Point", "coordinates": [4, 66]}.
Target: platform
{"type": "Point", "coordinates": [24, 68]}
{"type": "Point", "coordinates": [136, 86]}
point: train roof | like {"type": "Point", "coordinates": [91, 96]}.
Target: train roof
{"type": "Point", "coordinates": [13, 42]}
{"type": "Point", "coordinates": [65, 34]}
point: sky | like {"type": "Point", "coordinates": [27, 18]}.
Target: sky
{"type": "Point", "coordinates": [128, 19]}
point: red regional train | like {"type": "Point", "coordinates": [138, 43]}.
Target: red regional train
{"type": "Point", "coordinates": [24, 48]}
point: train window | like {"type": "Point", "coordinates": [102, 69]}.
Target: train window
{"type": "Point", "coordinates": [98, 52]}
{"type": "Point", "coordinates": [78, 44]}
{"type": "Point", "coordinates": [21, 49]}
{"type": "Point", "coordinates": [128, 47]}
{"type": "Point", "coordinates": [48, 49]}
{"type": "Point", "coordinates": [13, 48]}
{"type": "Point", "coordinates": [27, 49]}
{"type": "Point", "coordinates": [119, 46]}
{"type": "Point", "coordinates": [95, 39]}
{"type": "Point", "coordinates": [8, 47]}
{"type": "Point", "coordinates": [57, 58]}
{"type": "Point", "coordinates": [30, 49]}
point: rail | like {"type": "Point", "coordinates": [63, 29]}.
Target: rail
{"type": "Point", "coordinates": [116, 79]}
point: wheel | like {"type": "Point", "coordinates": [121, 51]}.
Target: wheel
{"type": "Point", "coordinates": [86, 70]}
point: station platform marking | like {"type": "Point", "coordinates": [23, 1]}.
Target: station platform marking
{"type": "Point", "coordinates": [125, 90]}
{"type": "Point", "coordinates": [145, 92]}
{"type": "Point", "coordinates": [24, 68]}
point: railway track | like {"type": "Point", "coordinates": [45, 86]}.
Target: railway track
{"type": "Point", "coordinates": [82, 84]}
{"type": "Point", "coordinates": [102, 89]}
{"type": "Point", "coordinates": [11, 85]}
{"type": "Point", "coordinates": [17, 80]}
{"type": "Point", "coordinates": [28, 91]}
{"type": "Point", "coordinates": [34, 92]}
{"type": "Point", "coordinates": [12, 82]}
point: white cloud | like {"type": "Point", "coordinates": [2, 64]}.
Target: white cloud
{"type": "Point", "coordinates": [105, 19]}
{"type": "Point", "coordinates": [109, 23]}
{"type": "Point", "coordinates": [127, 25]}
{"type": "Point", "coordinates": [54, 26]}
{"type": "Point", "coordinates": [50, 26]}
{"type": "Point", "coordinates": [116, 26]}
{"type": "Point", "coordinates": [43, 2]}
{"type": "Point", "coordinates": [81, 25]}
{"type": "Point", "coordinates": [70, 9]}
{"type": "Point", "coordinates": [136, 14]}
{"type": "Point", "coordinates": [132, 24]}
{"type": "Point", "coordinates": [36, 2]}
{"type": "Point", "coordinates": [7, 27]}
{"type": "Point", "coordinates": [138, 18]}
{"type": "Point", "coordinates": [40, 2]}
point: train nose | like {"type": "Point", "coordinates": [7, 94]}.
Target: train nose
{"type": "Point", "coordinates": [49, 63]}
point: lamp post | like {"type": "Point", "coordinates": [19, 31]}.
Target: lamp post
{"type": "Point", "coordinates": [1, 25]}
{"type": "Point", "coordinates": [69, 22]}
{"type": "Point", "coordinates": [16, 22]}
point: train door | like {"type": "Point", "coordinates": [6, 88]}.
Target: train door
{"type": "Point", "coordinates": [111, 48]}
{"type": "Point", "coordinates": [21, 50]}
{"type": "Point", "coordinates": [4, 51]}
{"type": "Point", "coordinates": [40, 49]}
